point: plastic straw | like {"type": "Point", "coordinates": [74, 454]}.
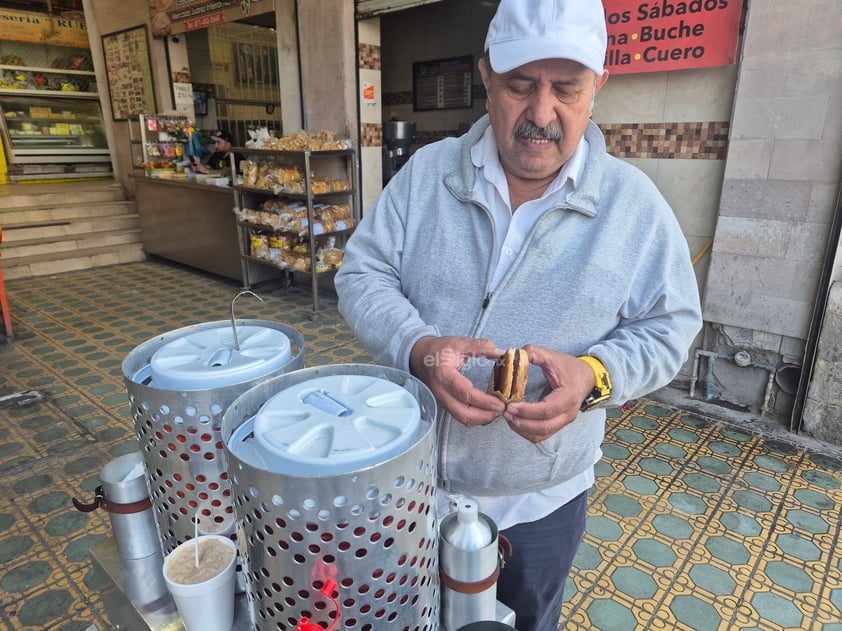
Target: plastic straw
{"type": "Point", "coordinates": [196, 536]}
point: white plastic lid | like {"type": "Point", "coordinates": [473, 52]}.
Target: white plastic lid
{"type": "Point", "coordinates": [207, 358]}
{"type": "Point", "coordinates": [335, 424]}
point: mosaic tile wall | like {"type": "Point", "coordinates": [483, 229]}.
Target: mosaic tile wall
{"type": "Point", "coordinates": [371, 135]}
{"type": "Point", "coordinates": [369, 56]}
{"type": "Point", "coordinates": [682, 140]}
{"type": "Point", "coordinates": [695, 141]}
{"type": "Point", "coordinates": [692, 141]}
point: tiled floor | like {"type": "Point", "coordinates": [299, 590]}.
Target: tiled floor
{"type": "Point", "coordinates": [694, 524]}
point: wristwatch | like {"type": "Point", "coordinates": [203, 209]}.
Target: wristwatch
{"type": "Point", "coordinates": [602, 389]}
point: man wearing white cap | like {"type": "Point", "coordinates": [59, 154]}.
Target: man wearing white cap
{"type": "Point", "coordinates": [525, 233]}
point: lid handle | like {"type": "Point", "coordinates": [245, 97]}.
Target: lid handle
{"type": "Point", "coordinates": [233, 321]}
{"type": "Point", "coordinates": [326, 403]}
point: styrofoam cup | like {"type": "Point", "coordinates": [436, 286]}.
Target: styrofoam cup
{"type": "Point", "coordinates": [206, 605]}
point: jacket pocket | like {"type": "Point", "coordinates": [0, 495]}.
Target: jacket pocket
{"type": "Point", "coordinates": [494, 459]}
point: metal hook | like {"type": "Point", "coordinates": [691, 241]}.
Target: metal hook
{"type": "Point", "coordinates": [233, 321]}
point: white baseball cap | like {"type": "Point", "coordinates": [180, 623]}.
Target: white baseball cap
{"type": "Point", "coordinates": [523, 31]}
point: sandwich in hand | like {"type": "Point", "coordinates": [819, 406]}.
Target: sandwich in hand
{"type": "Point", "coordinates": [508, 377]}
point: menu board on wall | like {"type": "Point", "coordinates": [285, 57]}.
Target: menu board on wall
{"type": "Point", "coordinates": [129, 73]}
{"type": "Point", "coordinates": [442, 83]}
{"type": "Point", "coordinates": [664, 35]}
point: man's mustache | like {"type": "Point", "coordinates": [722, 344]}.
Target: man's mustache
{"type": "Point", "coordinates": [528, 129]}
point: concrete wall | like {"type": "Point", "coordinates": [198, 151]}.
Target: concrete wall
{"type": "Point", "coordinates": [822, 416]}
{"type": "Point", "coordinates": [779, 191]}
{"type": "Point", "coordinates": [329, 65]}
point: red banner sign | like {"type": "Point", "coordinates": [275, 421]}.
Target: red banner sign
{"type": "Point", "coordinates": [661, 35]}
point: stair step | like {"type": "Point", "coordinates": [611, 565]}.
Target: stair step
{"type": "Point", "coordinates": [33, 234]}
{"type": "Point", "coordinates": [20, 196]}
{"type": "Point", "coordinates": [81, 259]}
{"type": "Point", "coordinates": [34, 216]}
{"type": "Point", "coordinates": [58, 227]}
{"type": "Point", "coordinates": [59, 248]}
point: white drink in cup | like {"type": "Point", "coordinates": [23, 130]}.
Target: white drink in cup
{"type": "Point", "coordinates": [203, 593]}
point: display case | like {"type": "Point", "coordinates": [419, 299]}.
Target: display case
{"type": "Point", "coordinates": [159, 143]}
{"type": "Point", "coordinates": [55, 129]}
{"type": "Point", "coordinates": [50, 118]}
{"type": "Point", "coordinates": [38, 80]}
{"type": "Point", "coordinates": [295, 211]}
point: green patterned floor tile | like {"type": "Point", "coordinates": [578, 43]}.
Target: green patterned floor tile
{"type": "Point", "coordinates": [693, 525]}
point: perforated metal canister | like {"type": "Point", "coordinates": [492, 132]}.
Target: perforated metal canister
{"type": "Point", "coordinates": [179, 385]}
{"type": "Point", "coordinates": [369, 528]}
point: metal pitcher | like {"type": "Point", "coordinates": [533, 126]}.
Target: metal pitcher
{"type": "Point", "coordinates": [124, 495]}
{"type": "Point", "coordinates": [469, 564]}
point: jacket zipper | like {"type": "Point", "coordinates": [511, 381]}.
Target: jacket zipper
{"type": "Point", "coordinates": [489, 294]}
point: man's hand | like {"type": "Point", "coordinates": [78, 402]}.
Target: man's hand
{"type": "Point", "coordinates": [569, 381]}
{"type": "Point", "coordinates": [437, 361]}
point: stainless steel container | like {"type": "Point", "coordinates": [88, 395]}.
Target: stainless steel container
{"type": "Point", "coordinates": [124, 495]}
{"type": "Point", "coordinates": [124, 484]}
{"type": "Point", "coordinates": [179, 385]}
{"type": "Point", "coordinates": [398, 136]}
{"type": "Point", "coordinates": [469, 561]}
{"type": "Point", "coordinates": [351, 522]}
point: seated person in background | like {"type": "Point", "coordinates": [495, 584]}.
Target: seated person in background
{"type": "Point", "coordinates": [219, 162]}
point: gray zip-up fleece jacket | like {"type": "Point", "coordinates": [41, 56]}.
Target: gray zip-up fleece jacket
{"type": "Point", "coordinates": [606, 274]}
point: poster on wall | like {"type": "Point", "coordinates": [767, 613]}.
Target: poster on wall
{"type": "Point", "coordinates": [183, 98]}
{"type": "Point", "coordinates": [129, 71]}
{"type": "Point", "coordinates": [442, 84]}
{"type": "Point", "coordinates": [671, 34]}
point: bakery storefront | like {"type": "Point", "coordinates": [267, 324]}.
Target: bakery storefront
{"type": "Point", "coordinates": [51, 123]}
{"type": "Point", "coordinates": [223, 75]}
{"type": "Point", "coordinates": [231, 67]}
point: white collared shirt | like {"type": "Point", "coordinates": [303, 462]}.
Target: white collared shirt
{"type": "Point", "coordinates": [511, 228]}
{"type": "Point", "coordinates": [510, 231]}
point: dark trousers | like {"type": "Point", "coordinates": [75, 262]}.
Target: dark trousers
{"type": "Point", "coordinates": [532, 581]}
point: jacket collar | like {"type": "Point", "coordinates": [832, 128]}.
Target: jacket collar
{"type": "Point", "coordinates": [585, 197]}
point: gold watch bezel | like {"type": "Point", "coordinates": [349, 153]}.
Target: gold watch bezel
{"type": "Point", "coordinates": [602, 381]}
